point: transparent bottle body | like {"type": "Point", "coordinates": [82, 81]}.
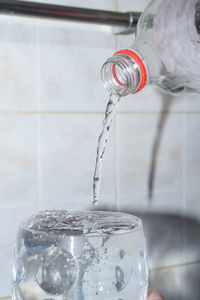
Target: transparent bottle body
{"type": "Point", "coordinates": [168, 39]}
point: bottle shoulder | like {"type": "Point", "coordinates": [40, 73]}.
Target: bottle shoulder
{"type": "Point", "coordinates": [144, 41]}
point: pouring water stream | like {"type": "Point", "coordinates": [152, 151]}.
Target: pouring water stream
{"type": "Point", "coordinates": [102, 141]}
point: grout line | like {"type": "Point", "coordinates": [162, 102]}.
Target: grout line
{"type": "Point", "coordinates": [116, 43]}
{"type": "Point", "coordinates": [38, 64]}
{"type": "Point", "coordinates": [98, 112]}
{"type": "Point", "coordinates": [16, 205]}
{"type": "Point", "coordinates": [183, 188]}
{"type": "Point", "coordinates": [117, 5]}
{"type": "Point", "coordinates": [160, 112]}
{"type": "Point", "coordinates": [184, 182]}
{"type": "Point", "coordinates": [116, 36]}
{"type": "Point", "coordinates": [39, 163]}
{"type": "Point", "coordinates": [53, 112]}
{"type": "Point", "coordinates": [175, 266]}
{"type": "Point", "coordinates": [38, 121]}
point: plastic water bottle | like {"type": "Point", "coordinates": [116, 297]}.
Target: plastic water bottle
{"type": "Point", "coordinates": [165, 52]}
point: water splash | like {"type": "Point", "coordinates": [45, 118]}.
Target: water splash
{"type": "Point", "coordinates": [109, 114]}
{"type": "Point", "coordinates": [61, 222]}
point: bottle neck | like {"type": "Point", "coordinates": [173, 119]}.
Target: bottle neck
{"type": "Point", "coordinates": [124, 73]}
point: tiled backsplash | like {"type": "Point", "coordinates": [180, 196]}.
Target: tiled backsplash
{"type": "Point", "coordinates": [51, 111]}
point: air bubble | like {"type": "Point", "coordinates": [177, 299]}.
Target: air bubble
{"type": "Point", "coordinates": [56, 277]}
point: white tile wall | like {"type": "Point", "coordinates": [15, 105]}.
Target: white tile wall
{"type": "Point", "coordinates": [18, 159]}
{"type": "Point", "coordinates": [68, 149]}
{"type": "Point", "coordinates": [140, 137]}
{"type": "Point", "coordinates": [80, 51]}
{"type": "Point", "coordinates": [168, 281]}
{"type": "Point", "coordinates": [192, 152]}
{"type": "Point", "coordinates": [51, 111]}
{"type": "Point", "coordinates": [179, 282]}
{"type": "Point", "coordinates": [18, 57]}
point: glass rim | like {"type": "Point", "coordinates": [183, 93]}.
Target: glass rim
{"type": "Point", "coordinates": [135, 224]}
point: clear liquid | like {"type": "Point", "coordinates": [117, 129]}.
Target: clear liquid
{"type": "Point", "coordinates": [178, 85]}
{"type": "Point", "coordinates": [80, 256]}
{"type": "Point", "coordinates": [109, 114]}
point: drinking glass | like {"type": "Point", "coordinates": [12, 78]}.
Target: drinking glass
{"type": "Point", "coordinates": [62, 255]}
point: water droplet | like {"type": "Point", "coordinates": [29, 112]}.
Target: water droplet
{"type": "Point", "coordinates": [122, 253]}
{"type": "Point", "coordinates": [119, 279]}
{"type": "Point", "coordinates": [48, 254]}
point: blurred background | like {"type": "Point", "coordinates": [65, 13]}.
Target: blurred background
{"type": "Point", "coordinates": [52, 106]}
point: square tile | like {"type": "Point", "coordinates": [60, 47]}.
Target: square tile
{"type": "Point", "coordinates": [18, 159]}
{"type": "Point", "coordinates": [168, 282]}
{"type": "Point", "coordinates": [192, 204]}
{"type": "Point", "coordinates": [18, 57]}
{"type": "Point", "coordinates": [150, 161]}
{"type": "Point", "coordinates": [191, 279]}
{"type": "Point", "coordinates": [71, 57]}
{"type": "Point", "coordinates": [172, 239]}
{"type": "Point", "coordinates": [191, 237]}
{"type": "Point", "coordinates": [192, 159]}
{"type": "Point", "coordinates": [164, 233]}
{"type": "Point", "coordinates": [192, 104]}
{"type": "Point", "coordinates": [177, 283]}
{"type": "Point", "coordinates": [68, 154]}
{"type": "Point", "coordinates": [192, 190]}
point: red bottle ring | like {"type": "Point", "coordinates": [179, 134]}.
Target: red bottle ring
{"type": "Point", "coordinates": [140, 64]}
